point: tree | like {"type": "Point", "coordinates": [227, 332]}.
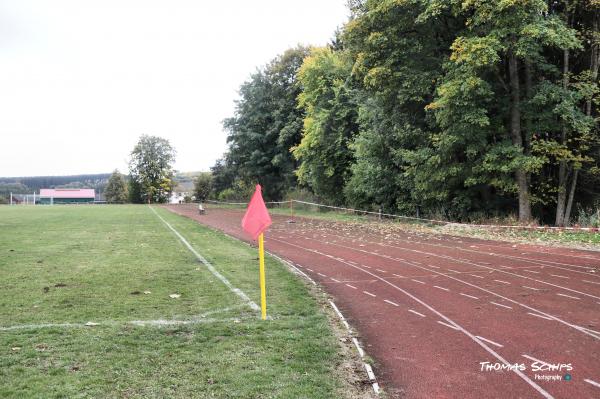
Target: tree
{"type": "Point", "coordinates": [203, 186]}
{"type": "Point", "coordinates": [266, 124]}
{"type": "Point", "coordinates": [151, 169]}
{"type": "Point", "coordinates": [330, 123]}
{"type": "Point", "coordinates": [116, 189]}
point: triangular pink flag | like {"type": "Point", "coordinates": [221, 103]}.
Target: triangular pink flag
{"type": "Point", "coordinates": [257, 218]}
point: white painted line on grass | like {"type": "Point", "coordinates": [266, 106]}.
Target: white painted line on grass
{"type": "Point", "coordinates": [417, 281]}
{"type": "Point", "coordinates": [469, 296]}
{"type": "Point", "coordinates": [209, 266]}
{"type": "Point", "coordinates": [368, 293]}
{"type": "Point", "coordinates": [569, 296]}
{"type": "Point", "coordinates": [539, 315]}
{"type": "Point", "coordinates": [441, 288]}
{"type": "Point", "coordinates": [351, 286]}
{"type": "Point", "coordinates": [490, 341]}
{"type": "Point", "coordinates": [501, 305]}
{"type": "Point", "coordinates": [390, 302]}
{"type": "Point", "coordinates": [594, 383]}
{"type": "Point", "coordinates": [417, 313]}
{"type": "Point", "coordinates": [502, 281]}
{"type": "Point", "coordinates": [448, 325]}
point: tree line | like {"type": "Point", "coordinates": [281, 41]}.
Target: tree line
{"type": "Point", "coordinates": [452, 108]}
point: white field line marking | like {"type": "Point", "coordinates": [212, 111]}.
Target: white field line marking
{"type": "Point", "coordinates": [475, 275]}
{"type": "Point", "coordinates": [441, 288]}
{"type": "Point", "coordinates": [591, 282]}
{"type": "Point", "coordinates": [351, 286]}
{"type": "Point", "coordinates": [569, 296]}
{"type": "Point", "coordinates": [433, 310]}
{"type": "Point", "coordinates": [435, 267]}
{"type": "Point", "coordinates": [417, 281]}
{"type": "Point", "coordinates": [390, 302]}
{"type": "Point", "coordinates": [490, 341]}
{"type": "Point", "coordinates": [501, 305]}
{"type": "Point", "coordinates": [321, 274]}
{"type": "Point", "coordinates": [310, 270]}
{"type": "Point", "coordinates": [337, 281]}
{"type": "Point", "coordinates": [368, 293]}
{"type": "Point", "coordinates": [559, 276]}
{"type": "Point", "coordinates": [368, 267]}
{"type": "Point", "coordinates": [455, 271]}
{"type": "Point", "coordinates": [503, 282]}
{"type": "Point", "coordinates": [382, 271]}
{"type": "Point", "coordinates": [417, 313]}
{"type": "Point", "coordinates": [531, 288]}
{"type": "Point", "coordinates": [209, 266]}
{"type": "Point", "coordinates": [397, 275]}
{"type": "Point", "coordinates": [535, 360]}
{"type": "Point", "coordinates": [539, 315]}
{"type": "Point", "coordinates": [597, 384]}
{"type": "Point", "coordinates": [531, 271]}
{"type": "Point", "coordinates": [368, 368]}
{"type": "Point", "coordinates": [469, 296]}
{"type": "Point", "coordinates": [555, 318]}
{"type": "Point", "coordinates": [448, 325]}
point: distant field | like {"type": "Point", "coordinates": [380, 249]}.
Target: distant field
{"type": "Point", "coordinates": [64, 266]}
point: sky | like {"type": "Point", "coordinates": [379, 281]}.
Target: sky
{"type": "Point", "coordinates": [81, 80]}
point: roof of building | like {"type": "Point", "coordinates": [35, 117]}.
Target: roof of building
{"type": "Point", "coordinates": [68, 192]}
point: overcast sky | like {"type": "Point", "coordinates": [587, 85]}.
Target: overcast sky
{"type": "Point", "coordinates": [81, 80]}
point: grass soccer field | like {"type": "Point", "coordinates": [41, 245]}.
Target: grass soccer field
{"type": "Point", "coordinates": [116, 268]}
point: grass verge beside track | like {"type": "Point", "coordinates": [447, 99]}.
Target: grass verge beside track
{"type": "Point", "coordinates": [74, 264]}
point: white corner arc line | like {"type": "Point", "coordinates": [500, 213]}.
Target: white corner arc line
{"type": "Point", "coordinates": [209, 266]}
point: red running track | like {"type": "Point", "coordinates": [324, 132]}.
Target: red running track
{"type": "Point", "coordinates": [430, 309]}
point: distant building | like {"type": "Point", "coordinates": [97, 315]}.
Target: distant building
{"type": "Point", "coordinates": [66, 196]}
{"type": "Point", "coordinates": [178, 197]}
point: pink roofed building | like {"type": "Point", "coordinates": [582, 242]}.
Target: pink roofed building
{"type": "Point", "coordinates": [66, 195]}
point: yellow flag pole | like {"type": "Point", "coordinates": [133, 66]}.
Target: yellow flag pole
{"type": "Point", "coordinates": [263, 289]}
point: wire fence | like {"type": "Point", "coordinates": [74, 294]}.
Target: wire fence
{"type": "Point", "coordinates": [302, 208]}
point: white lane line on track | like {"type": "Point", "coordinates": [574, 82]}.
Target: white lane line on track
{"type": "Point", "coordinates": [501, 305]}
{"type": "Point", "coordinates": [535, 360]}
{"type": "Point", "coordinates": [441, 288]}
{"type": "Point", "coordinates": [390, 302]}
{"type": "Point", "coordinates": [539, 315]}
{"type": "Point", "coordinates": [368, 293]}
{"type": "Point", "coordinates": [417, 313]}
{"type": "Point", "coordinates": [531, 271]}
{"type": "Point", "coordinates": [569, 296]}
{"type": "Point", "coordinates": [502, 281]}
{"type": "Point", "coordinates": [310, 270]}
{"type": "Point", "coordinates": [594, 383]}
{"type": "Point", "coordinates": [531, 288]}
{"type": "Point", "coordinates": [559, 276]}
{"type": "Point", "coordinates": [475, 275]}
{"type": "Point", "coordinates": [321, 274]}
{"type": "Point", "coordinates": [435, 267]}
{"type": "Point", "coordinates": [448, 325]}
{"type": "Point", "coordinates": [490, 341]}
{"type": "Point", "coordinates": [368, 368]}
{"type": "Point", "coordinates": [397, 275]}
{"type": "Point", "coordinates": [351, 286]}
{"type": "Point", "coordinates": [591, 282]}
{"type": "Point", "coordinates": [208, 265]}
{"type": "Point", "coordinates": [417, 281]}
{"type": "Point", "coordinates": [368, 267]}
{"type": "Point", "coordinates": [455, 271]}
{"type": "Point", "coordinates": [382, 271]}
{"type": "Point", "coordinates": [525, 378]}
{"type": "Point", "coordinates": [337, 281]}
{"type": "Point", "coordinates": [469, 296]}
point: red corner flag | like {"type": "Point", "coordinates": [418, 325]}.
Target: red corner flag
{"type": "Point", "coordinates": [257, 218]}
